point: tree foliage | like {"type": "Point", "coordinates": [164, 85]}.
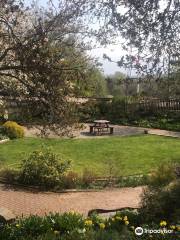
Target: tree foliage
{"type": "Point", "coordinates": [149, 29]}
{"type": "Point", "coordinates": [43, 51]}
{"type": "Point", "coordinates": [94, 85]}
{"type": "Point", "coordinates": [42, 57]}
{"type": "Point", "coordinates": [115, 84]}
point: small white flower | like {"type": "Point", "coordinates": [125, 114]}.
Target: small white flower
{"type": "Point", "coordinates": [52, 220]}
{"type": "Point", "coordinates": [81, 231]}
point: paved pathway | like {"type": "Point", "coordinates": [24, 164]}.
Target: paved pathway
{"type": "Point", "coordinates": [164, 133]}
{"type": "Point", "coordinates": [25, 203]}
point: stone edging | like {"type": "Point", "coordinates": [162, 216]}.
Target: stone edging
{"type": "Point", "coordinates": [102, 211]}
{"type": "Point", "coordinates": [38, 189]}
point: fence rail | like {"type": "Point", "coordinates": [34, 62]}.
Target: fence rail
{"type": "Point", "coordinates": [157, 104]}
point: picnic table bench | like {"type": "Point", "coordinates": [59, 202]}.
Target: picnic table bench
{"type": "Point", "coordinates": [101, 126]}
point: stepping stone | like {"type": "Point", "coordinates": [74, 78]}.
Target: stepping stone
{"type": "Point", "coordinates": [6, 216]}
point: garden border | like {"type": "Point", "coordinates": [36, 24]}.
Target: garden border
{"type": "Point", "coordinates": [73, 190]}
{"type": "Point", "coordinates": [35, 188]}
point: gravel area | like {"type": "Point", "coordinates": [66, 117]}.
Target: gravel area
{"type": "Point", "coordinates": [118, 131]}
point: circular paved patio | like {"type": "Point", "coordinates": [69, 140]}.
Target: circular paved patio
{"type": "Point", "coordinates": [118, 131]}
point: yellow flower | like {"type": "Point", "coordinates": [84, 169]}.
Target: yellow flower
{"type": "Point", "coordinates": [178, 228]}
{"type": "Point", "coordinates": [118, 218]}
{"type": "Point", "coordinates": [113, 219]}
{"type": "Point", "coordinates": [40, 153]}
{"type": "Point", "coordinates": [163, 223]}
{"type": "Point", "coordinates": [102, 225]}
{"type": "Point", "coordinates": [125, 218]}
{"type": "Point", "coordinates": [56, 232]}
{"type": "Point", "coordinates": [72, 212]}
{"type": "Point", "coordinates": [126, 222]}
{"type": "Point", "coordinates": [88, 223]}
{"type": "Point", "coordinates": [173, 227]}
{"type": "Point", "coordinates": [17, 225]}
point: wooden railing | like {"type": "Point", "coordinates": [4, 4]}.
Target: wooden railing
{"type": "Point", "coordinates": [157, 104]}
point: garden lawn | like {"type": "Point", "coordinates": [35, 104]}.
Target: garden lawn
{"type": "Point", "coordinates": [125, 155]}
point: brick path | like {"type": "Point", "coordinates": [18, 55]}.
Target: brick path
{"type": "Point", "coordinates": [22, 202]}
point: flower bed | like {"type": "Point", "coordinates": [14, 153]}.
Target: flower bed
{"type": "Point", "coordinates": [72, 226]}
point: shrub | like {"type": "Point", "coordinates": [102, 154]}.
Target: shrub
{"type": "Point", "coordinates": [161, 198]}
{"type": "Point", "coordinates": [162, 176]}
{"type": "Point", "coordinates": [132, 181]}
{"type": "Point", "coordinates": [92, 110]}
{"type": "Point", "coordinates": [9, 175]}
{"type": "Point", "coordinates": [66, 222]}
{"type": "Point", "coordinates": [72, 226]}
{"type": "Point", "coordinates": [2, 133]}
{"type": "Point", "coordinates": [13, 130]}
{"type": "Point", "coordinates": [118, 109]}
{"type": "Point", "coordinates": [43, 167]}
{"type": "Point", "coordinates": [177, 170]}
{"type": "Point", "coordinates": [71, 180]}
{"type": "Point", "coordinates": [2, 137]}
{"type": "Point", "coordinates": [88, 177]}
{"type": "Point", "coordinates": [161, 203]}
{"type": "Point", "coordinates": [88, 111]}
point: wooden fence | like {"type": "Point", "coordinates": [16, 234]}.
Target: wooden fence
{"type": "Point", "coordinates": [15, 107]}
{"type": "Point", "coordinates": [156, 104]}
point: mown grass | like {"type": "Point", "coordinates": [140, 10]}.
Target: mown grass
{"type": "Point", "coordinates": [127, 155]}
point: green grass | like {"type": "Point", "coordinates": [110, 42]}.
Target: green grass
{"type": "Point", "coordinates": [129, 155]}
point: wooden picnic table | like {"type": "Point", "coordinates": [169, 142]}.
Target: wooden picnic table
{"type": "Point", "coordinates": [101, 126]}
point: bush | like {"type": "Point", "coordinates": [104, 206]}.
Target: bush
{"type": "Point", "coordinates": [67, 222]}
{"type": "Point", "coordinates": [71, 180]}
{"type": "Point", "coordinates": [13, 130]}
{"type": "Point", "coordinates": [88, 111]}
{"type": "Point", "coordinates": [2, 137]}
{"type": "Point", "coordinates": [117, 110]}
{"type": "Point", "coordinates": [2, 133]}
{"type": "Point", "coordinates": [162, 176]}
{"type": "Point", "coordinates": [9, 175]}
{"type": "Point", "coordinates": [161, 203]}
{"type": "Point", "coordinates": [132, 181]}
{"type": "Point", "coordinates": [43, 167]}
{"type": "Point", "coordinates": [161, 198]}
{"type": "Point", "coordinates": [87, 178]}
{"type": "Point", "coordinates": [72, 226]}
{"type": "Point", "coordinates": [93, 110]}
